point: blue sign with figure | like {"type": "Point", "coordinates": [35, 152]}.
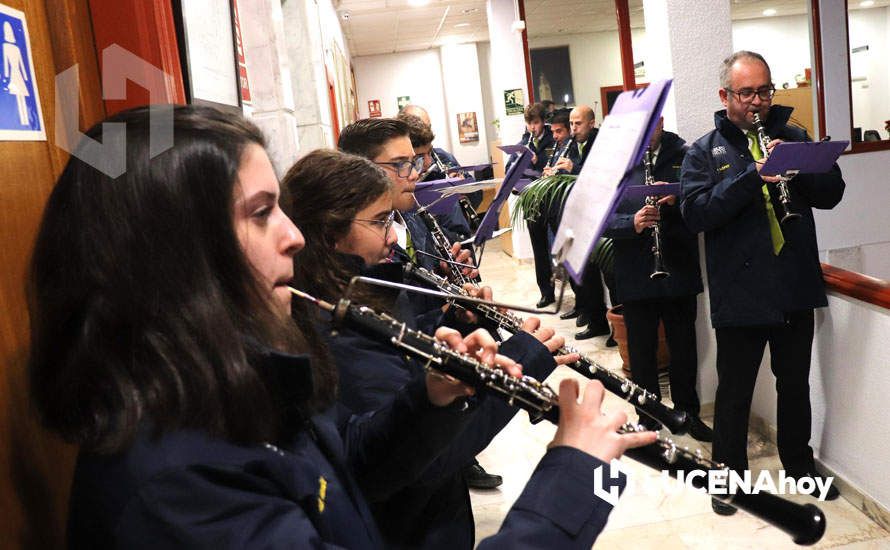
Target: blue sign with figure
{"type": "Point", "coordinates": [20, 116]}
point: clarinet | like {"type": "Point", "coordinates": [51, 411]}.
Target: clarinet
{"type": "Point", "coordinates": [804, 523]}
{"type": "Point", "coordinates": [658, 270]}
{"type": "Point", "coordinates": [782, 185]}
{"type": "Point", "coordinates": [562, 152]}
{"type": "Point", "coordinates": [677, 422]}
{"type": "Point", "coordinates": [443, 245]}
{"type": "Point", "coordinates": [466, 208]}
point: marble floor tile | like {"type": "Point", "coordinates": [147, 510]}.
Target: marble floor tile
{"type": "Point", "coordinates": [674, 518]}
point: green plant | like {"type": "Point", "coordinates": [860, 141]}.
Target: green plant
{"type": "Point", "coordinates": [538, 196]}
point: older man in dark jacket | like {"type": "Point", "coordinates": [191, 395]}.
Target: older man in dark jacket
{"type": "Point", "coordinates": [765, 278]}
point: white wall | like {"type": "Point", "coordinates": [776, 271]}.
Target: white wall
{"type": "Point", "coordinates": [416, 74]}
{"type": "Point", "coordinates": [483, 50]}
{"type": "Point", "coordinates": [462, 95]}
{"type": "Point", "coordinates": [792, 35]}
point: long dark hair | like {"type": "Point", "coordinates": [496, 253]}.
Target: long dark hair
{"type": "Point", "coordinates": [143, 304]}
{"type": "Point", "coordinates": [326, 189]}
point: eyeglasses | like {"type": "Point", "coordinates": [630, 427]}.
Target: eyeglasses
{"type": "Point", "coordinates": [746, 95]}
{"type": "Point", "coordinates": [403, 167]}
{"type": "Point", "coordinates": [386, 224]}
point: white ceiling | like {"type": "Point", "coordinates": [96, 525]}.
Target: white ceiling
{"type": "Point", "coordinates": [387, 26]}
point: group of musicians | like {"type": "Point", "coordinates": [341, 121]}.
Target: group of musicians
{"type": "Point", "coordinates": [764, 277]}
{"type": "Point", "coordinates": [213, 407]}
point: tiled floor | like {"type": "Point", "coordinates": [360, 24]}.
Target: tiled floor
{"type": "Point", "coordinates": [664, 520]}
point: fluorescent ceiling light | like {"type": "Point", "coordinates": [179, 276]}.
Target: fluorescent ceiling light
{"type": "Point", "coordinates": [462, 25]}
{"type": "Point", "coordinates": [769, 12]}
{"type": "Point", "coordinates": [866, 3]}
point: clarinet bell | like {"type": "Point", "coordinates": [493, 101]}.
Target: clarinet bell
{"type": "Point", "coordinates": [789, 216]}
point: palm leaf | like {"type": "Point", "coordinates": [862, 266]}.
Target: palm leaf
{"type": "Point", "coordinates": [539, 195]}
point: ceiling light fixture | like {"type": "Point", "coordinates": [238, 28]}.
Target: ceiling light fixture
{"type": "Point", "coordinates": [467, 11]}
{"type": "Point", "coordinates": [769, 12]}
{"type": "Point", "coordinates": [866, 3]}
{"type": "Point", "coordinates": [462, 25]}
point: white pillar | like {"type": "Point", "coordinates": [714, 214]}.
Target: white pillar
{"type": "Point", "coordinates": [687, 40]}
{"type": "Point", "coordinates": [272, 106]}
{"type": "Point", "coordinates": [508, 73]}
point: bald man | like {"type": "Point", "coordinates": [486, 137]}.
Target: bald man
{"type": "Point", "coordinates": [583, 125]}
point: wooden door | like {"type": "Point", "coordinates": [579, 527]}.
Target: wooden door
{"type": "Point", "coordinates": [36, 467]}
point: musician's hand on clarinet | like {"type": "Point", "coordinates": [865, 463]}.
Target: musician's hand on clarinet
{"type": "Point", "coordinates": [549, 338]}
{"type": "Point", "coordinates": [463, 256]}
{"type": "Point", "coordinates": [564, 164]}
{"type": "Point", "coordinates": [483, 292]}
{"type": "Point", "coordinates": [441, 389]}
{"type": "Point", "coordinates": [669, 200]}
{"type": "Point", "coordinates": [759, 164]}
{"type": "Point", "coordinates": [548, 171]}
{"type": "Point", "coordinates": [583, 426]}
{"type": "Point", "coordinates": [646, 217]}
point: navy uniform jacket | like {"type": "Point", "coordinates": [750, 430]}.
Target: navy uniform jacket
{"type": "Point", "coordinates": [433, 511]}
{"type": "Point", "coordinates": [545, 142]}
{"type": "Point", "coordinates": [186, 489]}
{"type": "Point", "coordinates": [633, 251]}
{"type": "Point", "coordinates": [722, 196]}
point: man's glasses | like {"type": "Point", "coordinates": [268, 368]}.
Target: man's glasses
{"type": "Point", "coordinates": [386, 223]}
{"type": "Point", "coordinates": [403, 167]}
{"type": "Point", "coordinates": [746, 95]}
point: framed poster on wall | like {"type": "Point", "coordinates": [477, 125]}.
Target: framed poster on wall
{"type": "Point", "coordinates": [208, 54]}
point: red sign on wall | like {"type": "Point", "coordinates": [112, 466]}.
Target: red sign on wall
{"type": "Point", "coordinates": [374, 108]}
{"type": "Point", "coordinates": [243, 83]}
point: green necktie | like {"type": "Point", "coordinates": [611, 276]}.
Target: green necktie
{"type": "Point", "coordinates": [581, 150]}
{"type": "Point", "coordinates": [775, 230]}
{"type": "Point", "coordinates": [409, 247]}
{"type": "Point", "coordinates": [535, 144]}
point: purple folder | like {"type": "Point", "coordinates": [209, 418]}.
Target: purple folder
{"type": "Point", "coordinates": [643, 191]}
{"type": "Point", "coordinates": [490, 221]}
{"type": "Point", "coordinates": [647, 101]}
{"type": "Point", "coordinates": [810, 157]}
{"type": "Point", "coordinates": [428, 194]}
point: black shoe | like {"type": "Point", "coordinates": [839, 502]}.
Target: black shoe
{"type": "Point", "coordinates": [699, 430]}
{"type": "Point", "coordinates": [478, 478]}
{"type": "Point", "coordinates": [571, 314]}
{"type": "Point", "coordinates": [832, 492]}
{"type": "Point", "coordinates": [721, 508]}
{"type": "Point", "coordinates": [545, 301]}
{"type": "Point", "coordinates": [591, 331]}
{"type": "Point", "coordinates": [610, 342]}
{"type": "Point", "coordinates": [583, 319]}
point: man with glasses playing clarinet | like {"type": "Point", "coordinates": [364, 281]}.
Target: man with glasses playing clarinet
{"type": "Point", "coordinates": [764, 277]}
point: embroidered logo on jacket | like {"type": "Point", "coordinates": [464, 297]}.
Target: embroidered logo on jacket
{"type": "Point", "coordinates": [718, 151]}
{"type": "Point", "coordinates": [322, 491]}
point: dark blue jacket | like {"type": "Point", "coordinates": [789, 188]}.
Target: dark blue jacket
{"type": "Point", "coordinates": [633, 251]}
{"type": "Point", "coordinates": [434, 511]}
{"type": "Point", "coordinates": [545, 142]}
{"type": "Point", "coordinates": [578, 159]}
{"type": "Point", "coordinates": [188, 489]}
{"type": "Point", "coordinates": [748, 284]}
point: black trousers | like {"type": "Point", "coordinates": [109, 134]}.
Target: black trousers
{"type": "Point", "coordinates": [538, 233]}
{"type": "Point", "coordinates": [678, 314]}
{"type": "Point", "coordinates": [739, 353]}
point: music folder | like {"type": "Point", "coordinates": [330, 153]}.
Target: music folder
{"type": "Point", "coordinates": [429, 194]}
{"type": "Point", "coordinates": [803, 157]}
{"type": "Point", "coordinates": [619, 146]}
{"type": "Point", "coordinates": [490, 221]}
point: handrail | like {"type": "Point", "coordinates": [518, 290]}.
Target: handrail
{"type": "Point", "coordinates": [856, 285]}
